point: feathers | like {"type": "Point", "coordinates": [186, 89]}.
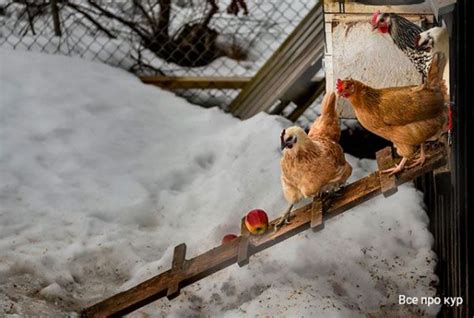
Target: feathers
{"type": "Point", "coordinates": [405, 34]}
{"type": "Point", "coordinates": [407, 116]}
{"type": "Point", "coordinates": [327, 124]}
{"type": "Point", "coordinates": [313, 163]}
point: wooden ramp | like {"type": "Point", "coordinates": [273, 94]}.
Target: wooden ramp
{"type": "Point", "coordinates": [185, 272]}
{"type": "Point", "coordinates": [303, 48]}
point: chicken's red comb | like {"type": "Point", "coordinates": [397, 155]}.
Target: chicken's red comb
{"type": "Point", "coordinates": [373, 20]}
{"type": "Point", "coordinates": [339, 84]}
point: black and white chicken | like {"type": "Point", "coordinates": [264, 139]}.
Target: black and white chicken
{"type": "Point", "coordinates": [406, 36]}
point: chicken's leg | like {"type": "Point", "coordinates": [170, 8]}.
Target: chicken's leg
{"type": "Point", "coordinates": [284, 219]}
{"type": "Point", "coordinates": [397, 168]}
{"type": "Point", "coordinates": [421, 160]}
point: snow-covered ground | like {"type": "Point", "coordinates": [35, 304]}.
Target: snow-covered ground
{"type": "Point", "coordinates": [259, 34]}
{"type": "Point", "coordinates": [101, 176]}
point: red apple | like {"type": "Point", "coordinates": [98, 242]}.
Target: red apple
{"type": "Point", "coordinates": [228, 238]}
{"type": "Point", "coordinates": [256, 221]}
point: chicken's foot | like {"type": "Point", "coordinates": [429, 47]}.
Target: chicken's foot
{"type": "Point", "coordinates": [336, 193]}
{"type": "Point", "coordinates": [284, 219]}
{"type": "Point", "coordinates": [397, 168]}
{"type": "Point", "coordinates": [420, 160]}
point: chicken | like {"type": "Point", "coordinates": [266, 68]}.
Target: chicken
{"type": "Point", "coordinates": [405, 35]}
{"type": "Point", "coordinates": [407, 116]}
{"type": "Point", "coordinates": [417, 44]}
{"type": "Point", "coordinates": [313, 164]}
{"type": "Point", "coordinates": [436, 40]}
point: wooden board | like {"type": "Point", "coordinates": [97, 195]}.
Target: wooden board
{"type": "Point", "coordinates": [385, 161]}
{"type": "Point", "coordinates": [227, 254]}
{"type": "Point", "coordinates": [303, 47]}
{"type": "Point", "coordinates": [243, 252]}
{"type": "Point", "coordinates": [300, 109]}
{"type": "Point", "coordinates": [176, 270]}
{"type": "Point", "coordinates": [354, 7]}
{"type": "Point", "coordinates": [198, 82]}
{"type": "Point", "coordinates": [317, 215]}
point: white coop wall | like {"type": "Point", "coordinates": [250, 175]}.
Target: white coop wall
{"type": "Point", "coordinates": [354, 50]}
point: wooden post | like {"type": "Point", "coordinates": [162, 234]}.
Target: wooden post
{"type": "Point", "coordinates": [176, 270]}
{"type": "Point", "coordinates": [317, 215]}
{"type": "Point", "coordinates": [388, 184]}
{"type": "Point", "coordinates": [243, 253]}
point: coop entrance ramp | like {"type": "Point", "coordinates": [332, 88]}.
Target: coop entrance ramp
{"type": "Point", "coordinates": [187, 271]}
{"type": "Point", "coordinates": [303, 48]}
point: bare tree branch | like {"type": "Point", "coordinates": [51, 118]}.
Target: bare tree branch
{"type": "Point", "coordinates": [91, 19]}
{"type": "Point", "coordinates": [148, 18]}
{"type": "Point", "coordinates": [30, 17]}
{"type": "Point", "coordinates": [164, 18]}
{"type": "Point", "coordinates": [144, 34]}
{"type": "Point", "coordinates": [210, 14]}
{"type": "Point", "coordinates": [55, 14]}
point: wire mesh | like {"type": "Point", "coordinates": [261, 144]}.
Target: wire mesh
{"type": "Point", "coordinates": [228, 38]}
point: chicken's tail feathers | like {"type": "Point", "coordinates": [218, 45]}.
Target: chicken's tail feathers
{"type": "Point", "coordinates": [328, 105]}
{"type": "Point", "coordinates": [435, 74]}
{"type": "Point", "coordinates": [327, 124]}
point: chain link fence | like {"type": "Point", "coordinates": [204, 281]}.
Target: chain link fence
{"type": "Point", "coordinates": [203, 38]}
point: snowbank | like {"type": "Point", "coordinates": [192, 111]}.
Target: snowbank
{"type": "Point", "coordinates": [101, 176]}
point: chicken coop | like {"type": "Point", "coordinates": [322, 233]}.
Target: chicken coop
{"type": "Point", "coordinates": [278, 57]}
{"type": "Point", "coordinates": [352, 52]}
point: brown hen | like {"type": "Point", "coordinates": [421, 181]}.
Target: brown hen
{"type": "Point", "coordinates": [407, 116]}
{"type": "Point", "coordinates": [313, 164]}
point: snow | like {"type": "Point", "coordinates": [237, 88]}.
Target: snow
{"type": "Point", "coordinates": [101, 176]}
{"type": "Point", "coordinates": [260, 34]}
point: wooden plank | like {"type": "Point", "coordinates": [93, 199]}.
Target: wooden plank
{"type": "Point", "coordinates": [317, 215]}
{"type": "Point", "coordinates": [197, 82]}
{"type": "Point", "coordinates": [243, 254]}
{"type": "Point", "coordinates": [283, 81]}
{"type": "Point", "coordinates": [295, 114]}
{"type": "Point", "coordinates": [353, 7]}
{"type": "Point", "coordinates": [302, 48]}
{"type": "Point", "coordinates": [286, 73]}
{"type": "Point", "coordinates": [272, 64]}
{"type": "Point", "coordinates": [272, 70]}
{"type": "Point", "coordinates": [176, 270]}
{"type": "Point", "coordinates": [388, 183]}
{"type": "Point", "coordinates": [331, 18]}
{"type": "Point", "coordinates": [227, 254]}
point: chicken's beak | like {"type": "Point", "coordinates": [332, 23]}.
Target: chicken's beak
{"type": "Point", "coordinates": [374, 27]}
{"type": "Point", "coordinates": [283, 145]}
